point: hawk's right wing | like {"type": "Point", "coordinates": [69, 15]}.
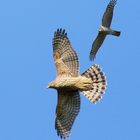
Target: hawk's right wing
{"type": "Point", "coordinates": [96, 45]}
{"type": "Point", "coordinates": [65, 57]}
{"type": "Point", "coordinates": [67, 109]}
{"type": "Point", "coordinates": [108, 14]}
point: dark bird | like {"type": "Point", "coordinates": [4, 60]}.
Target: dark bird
{"type": "Point", "coordinates": [104, 29]}
{"type": "Point", "coordinates": [69, 83]}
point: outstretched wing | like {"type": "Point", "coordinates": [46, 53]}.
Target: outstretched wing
{"type": "Point", "coordinates": [68, 107]}
{"type": "Point", "coordinates": [107, 17]}
{"type": "Point", "coordinates": [65, 57]}
{"type": "Point", "coordinates": [96, 45]}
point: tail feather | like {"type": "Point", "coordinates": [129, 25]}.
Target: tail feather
{"type": "Point", "coordinates": [116, 33]}
{"type": "Point", "coordinates": [98, 85]}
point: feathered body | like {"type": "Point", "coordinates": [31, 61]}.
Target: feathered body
{"type": "Point", "coordinates": [74, 83]}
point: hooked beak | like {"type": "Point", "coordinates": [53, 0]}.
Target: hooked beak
{"type": "Point", "coordinates": [48, 86]}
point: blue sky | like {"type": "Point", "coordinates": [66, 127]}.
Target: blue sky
{"type": "Point", "coordinates": [27, 108]}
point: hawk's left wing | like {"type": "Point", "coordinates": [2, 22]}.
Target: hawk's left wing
{"type": "Point", "coordinates": [65, 57]}
{"type": "Point", "coordinates": [67, 109]}
{"type": "Point", "coordinates": [108, 14]}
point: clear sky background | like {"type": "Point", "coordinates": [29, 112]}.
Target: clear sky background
{"type": "Point", "coordinates": [27, 108]}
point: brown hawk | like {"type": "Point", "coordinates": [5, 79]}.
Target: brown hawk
{"type": "Point", "coordinates": [104, 29]}
{"type": "Point", "coordinates": [69, 82]}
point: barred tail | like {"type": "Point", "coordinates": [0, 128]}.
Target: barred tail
{"type": "Point", "coordinates": [116, 33]}
{"type": "Point", "coordinates": [98, 85]}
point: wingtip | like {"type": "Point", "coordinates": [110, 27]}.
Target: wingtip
{"type": "Point", "coordinates": [91, 57]}
{"type": "Point", "coordinates": [60, 31]}
{"type": "Point", "coordinates": [113, 2]}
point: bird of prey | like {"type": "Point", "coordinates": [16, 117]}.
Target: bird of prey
{"type": "Point", "coordinates": [104, 29]}
{"type": "Point", "coordinates": [69, 83]}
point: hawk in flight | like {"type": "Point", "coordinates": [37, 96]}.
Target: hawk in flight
{"type": "Point", "coordinates": [69, 83]}
{"type": "Point", "coordinates": [104, 29]}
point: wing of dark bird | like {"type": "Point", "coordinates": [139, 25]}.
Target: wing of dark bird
{"type": "Point", "coordinates": [108, 14]}
{"type": "Point", "coordinates": [96, 45]}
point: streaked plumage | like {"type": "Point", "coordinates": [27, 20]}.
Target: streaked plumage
{"type": "Point", "coordinates": [104, 29]}
{"type": "Point", "coordinates": [69, 82]}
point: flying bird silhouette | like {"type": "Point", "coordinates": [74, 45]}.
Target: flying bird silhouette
{"type": "Point", "coordinates": [69, 83]}
{"type": "Point", "coordinates": [104, 29]}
